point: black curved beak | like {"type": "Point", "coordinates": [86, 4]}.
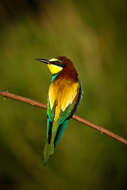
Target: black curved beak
{"type": "Point", "coordinates": [42, 60]}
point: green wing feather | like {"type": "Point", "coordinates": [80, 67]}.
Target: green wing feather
{"type": "Point", "coordinates": [49, 145]}
{"type": "Point", "coordinates": [60, 132]}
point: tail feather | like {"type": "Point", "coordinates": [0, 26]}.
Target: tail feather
{"type": "Point", "coordinates": [48, 151]}
{"type": "Point", "coordinates": [54, 139]}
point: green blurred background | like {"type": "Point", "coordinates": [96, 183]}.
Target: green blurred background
{"type": "Point", "coordinates": [93, 34]}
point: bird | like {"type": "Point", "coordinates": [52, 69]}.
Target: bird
{"type": "Point", "coordinates": [64, 95]}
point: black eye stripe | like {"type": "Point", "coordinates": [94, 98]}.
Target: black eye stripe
{"type": "Point", "coordinates": [57, 63]}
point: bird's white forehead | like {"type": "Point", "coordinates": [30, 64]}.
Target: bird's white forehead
{"type": "Point", "coordinates": [53, 59]}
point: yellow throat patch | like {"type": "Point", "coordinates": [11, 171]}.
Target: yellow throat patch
{"type": "Point", "coordinates": [54, 68]}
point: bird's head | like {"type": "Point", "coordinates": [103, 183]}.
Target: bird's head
{"type": "Point", "coordinates": [61, 65]}
{"type": "Point", "coordinates": [55, 65]}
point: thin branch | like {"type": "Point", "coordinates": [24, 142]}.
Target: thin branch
{"type": "Point", "coordinates": [79, 119]}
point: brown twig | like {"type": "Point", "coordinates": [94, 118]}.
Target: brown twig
{"type": "Point", "coordinates": [79, 119]}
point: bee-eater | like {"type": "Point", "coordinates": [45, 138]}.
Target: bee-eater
{"type": "Point", "coordinates": [63, 97]}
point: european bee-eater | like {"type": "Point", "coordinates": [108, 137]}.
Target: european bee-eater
{"type": "Point", "coordinates": [63, 97]}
